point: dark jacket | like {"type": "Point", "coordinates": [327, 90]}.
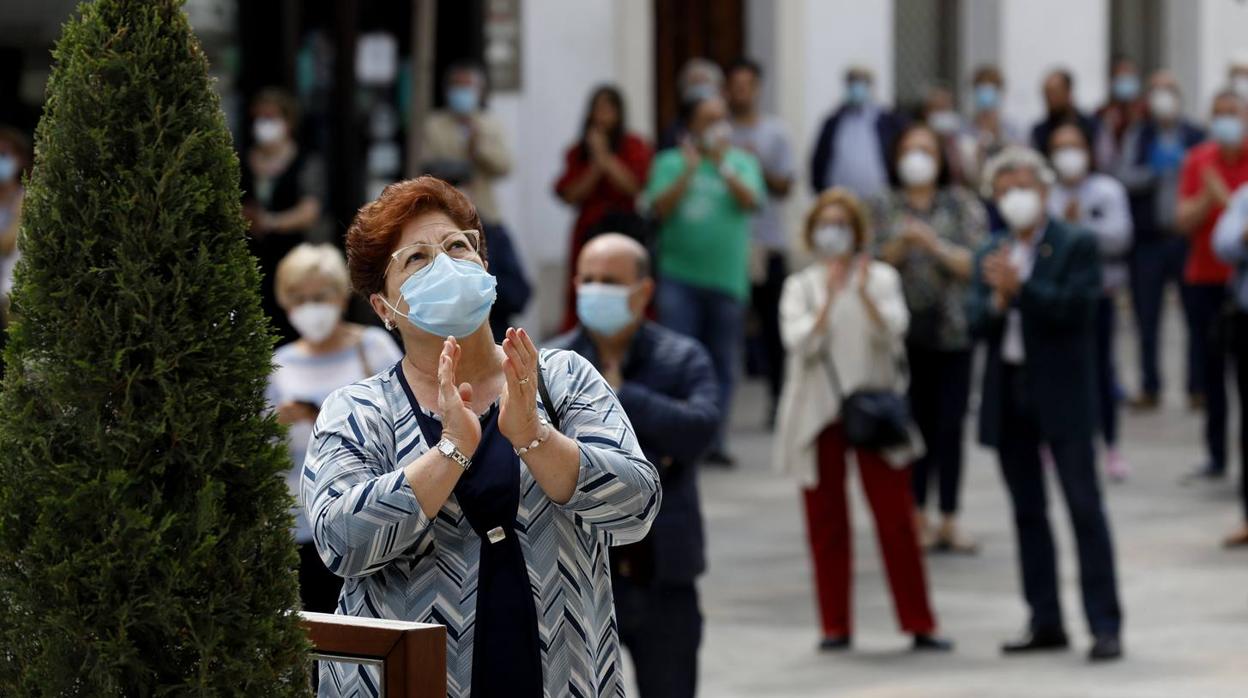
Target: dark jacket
{"type": "Point", "coordinates": [514, 290]}
{"type": "Point", "coordinates": [671, 396]}
{"type": "Point", "coordinates": [1144, 179]}
{"type": "Point", "coordinates": [1058, 305]}
{"type": "Point", "coordinates": [887, 126]}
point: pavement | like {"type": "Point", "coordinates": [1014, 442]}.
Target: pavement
{"type": "Point", "coordinates": [1185, 599]}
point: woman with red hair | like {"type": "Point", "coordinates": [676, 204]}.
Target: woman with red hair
{"type": "Point", "coordinates": [472, 485]}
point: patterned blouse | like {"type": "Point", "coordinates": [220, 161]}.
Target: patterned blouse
{"type": "Point", "coordinates": [399, 564]}
{"type": "Point", "coordinates": [935, 296]}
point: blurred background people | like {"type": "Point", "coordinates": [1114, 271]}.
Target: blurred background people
{"type": "Point", "coordinates": [764, 137]}
{"type": "Point", "coordinates": [280, 193]}
{"type": "Point", "coordinates": [14, 161]}
{"type": "Point", "coordinates": [853, 146]}
{"type": "Point", "coordinates": [667, 387]}
{"type": "Point", "coordinates": [602, 175]}
{"type": "Point", "coordinates": [313, 289]}
{"type": "Point", "coordinates": [1059, 102]}
{"type": "Point", "coordinates": [844, 319]}
{"type": "Point", "coordinates": [699, 79]}
{"type": "Point", "coordinates": [1125, 107]}
{"type": "Point", "coordinates": [465, 145]}
{"type": "Point", "coordinates": [1097, 203]}
{"type": "Point", "coordinates": [703, 193]}
{"type": "Point", "coordinates": [1210, 172]}
{"type": "Point", "coordinates": [1152, 153]}
{"type": "Point", "coordinates": [929, 229]}
{"type": "Point", "coordinates": [1034, 300]}
{"type": "Point", "coordinates": [991, 128]}
{"type": "Point", "coordinates": [957, 144]}
{"type": "Point", "coordinates": [1230, 243]}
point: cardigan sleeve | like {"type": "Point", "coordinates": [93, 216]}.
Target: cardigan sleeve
{"type": "Point", "coordinates": [362, 510]}
{"type": "Point", "coordinates": [617, 491]}
{"type": "Point", "coordinates": [799, 311]}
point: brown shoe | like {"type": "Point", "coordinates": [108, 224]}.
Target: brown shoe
{"type": "Point", "coordinates": [1196, 402]}
{"type": "Point", "coordinates": [1238, 539]}
{"type": "Point", "coordinates": [1144, 402]}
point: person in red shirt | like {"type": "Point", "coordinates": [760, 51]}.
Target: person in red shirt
{"type": "Point", "coordinates": [603, 173]}
{"type": "Point", "coordinates": [1210, 173]}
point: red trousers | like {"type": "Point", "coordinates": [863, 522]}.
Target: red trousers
{"type": "Point", "coordinates": [831, 537]}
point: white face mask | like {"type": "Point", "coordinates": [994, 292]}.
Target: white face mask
{"type": "Point", "coordinates": [833, 240]}
{"type": "Point", "coordinates": [1239, 84]}
{"type": "Point", "coordinates": [315, 321]}
{"type": "Point", "coordinates": [268, 130]}
{"type": "Point", "coordinates": [1071, 163]}
{"type": "Point", "coordinates": [716, 135]}
{"type": "Point", "coordinates": [917, 168]}
{"type": "Point", "coordinates": [1163, 103]}
{"type": "Point", "coordinates": [944, 122]}
{"type": "Point", "coordinates": [1020, 207]}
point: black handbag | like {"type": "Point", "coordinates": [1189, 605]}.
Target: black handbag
{"type": "Point", "coordinates": [875, 419]}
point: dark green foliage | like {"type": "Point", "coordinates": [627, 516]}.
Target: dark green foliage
{"type": "Point", "coordinates": [144, 527]}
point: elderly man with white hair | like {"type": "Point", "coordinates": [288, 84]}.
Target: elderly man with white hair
{"type": "Point", "coordinates": [1033, 299]}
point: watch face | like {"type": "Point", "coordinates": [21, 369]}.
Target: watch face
{"type": "Point", "coordinates": [447, 448]}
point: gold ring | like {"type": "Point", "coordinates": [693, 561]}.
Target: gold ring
{"type": "Point", "coordinates": [524, 381]}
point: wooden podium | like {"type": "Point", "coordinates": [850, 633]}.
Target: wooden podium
{"type": "Point", "coordinates": [410, 656]}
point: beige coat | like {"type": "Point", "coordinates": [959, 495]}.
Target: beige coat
{"type": "Point", "coordinates": [445, 138]}
{"type": "Point", "coordinates": [865, 356]}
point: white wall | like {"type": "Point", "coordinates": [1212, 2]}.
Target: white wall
{"type": "Point", "coordinates": [1036, 37]}
{"type": "Point", "coordinates": [1217, 30]}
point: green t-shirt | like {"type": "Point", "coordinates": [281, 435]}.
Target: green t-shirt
{"type": "Point", "coordinates": [705, 241]}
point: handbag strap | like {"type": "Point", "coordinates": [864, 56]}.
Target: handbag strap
{"type": "Point", "coordinates": [544, 393]}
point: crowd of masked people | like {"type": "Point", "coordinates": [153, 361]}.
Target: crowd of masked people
{"type": "Point", "coordinates": [933, 235]}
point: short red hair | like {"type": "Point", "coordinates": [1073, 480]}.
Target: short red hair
{"type": "Point", "coordinates": [374, 233]}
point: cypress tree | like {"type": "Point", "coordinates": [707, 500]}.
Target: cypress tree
{"type": "Point", "coordinates": [144, 527]}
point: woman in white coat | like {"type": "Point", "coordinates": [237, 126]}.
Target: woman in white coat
{"type": "Point", "coordinates": [846, 316]}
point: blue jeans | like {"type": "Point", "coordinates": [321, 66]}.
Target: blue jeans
{"type": "Point", "coordinates": [1154, 264]}
{"type": "Point", "coordinates": [715, 319]}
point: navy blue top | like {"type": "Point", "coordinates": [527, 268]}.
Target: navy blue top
{"type": "Point", "coordinates": [506, 659]}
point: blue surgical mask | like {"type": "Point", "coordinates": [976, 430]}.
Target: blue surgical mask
{"type": "Point", "coordinates": [449, 298]}
{"type": "Point", "coordinates": [603, 308]}
{"type": "Point", "coordinates": [1227, 130]}
{"type": "Point", "coordinates": [8, 168]}
{"type": "Point", "coordinates": [1126, 87]}
{"type": "Point", "coordinates": [858, 92]}
{"type": "Point", "coordinates": [987, 97]}
{"type": "Point", "coordinates": [462, 99]}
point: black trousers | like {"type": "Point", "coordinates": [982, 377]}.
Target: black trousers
{"type": "Point", "coordinates": [940, 383]}
{"type": "Point", "coordinates": [765, 309]}
{"type": "Point", "coordinates": [1207, 303]}
{"type": "Point", "coordinates": [661, 627]}
{"type": "Point", "coordinates": [318, 587]}
{"type": "Point", "coordinates": [1019, 452]}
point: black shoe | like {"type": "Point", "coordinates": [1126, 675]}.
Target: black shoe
{"type": "Point", "coordinates": [1105, 648]}
{"type": "Point", "coordinates": [1037, 640]}
{"type": "Point", "coordinates": [1205, 472]}
{"type": "Point", "coordinates": [839, 643]}
{"type": "Point", "coordinates": [720, 459]}
{"type": "Point", "coordinates": [924, 642]}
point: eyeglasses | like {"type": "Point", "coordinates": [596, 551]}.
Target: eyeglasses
{"type": "Point", "coordinates": [409, 259]}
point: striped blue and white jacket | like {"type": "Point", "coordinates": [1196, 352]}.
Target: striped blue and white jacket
{"type": "Point", "coordinates": [399, 564]}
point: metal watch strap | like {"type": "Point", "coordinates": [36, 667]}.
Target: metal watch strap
{"type": "Point", "coordinates": [454, 454]}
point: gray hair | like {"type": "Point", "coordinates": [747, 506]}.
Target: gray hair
{"type": "Point", "coordinates": [700, 67]}
{"type": "Point", "coordinates": [1014, 157]}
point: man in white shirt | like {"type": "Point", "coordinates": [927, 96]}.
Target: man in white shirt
{"type": "Point", "coordinates": [1033, 298]}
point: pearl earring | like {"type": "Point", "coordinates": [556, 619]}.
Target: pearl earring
{"type": "Point", "coordinates": [389, 324]}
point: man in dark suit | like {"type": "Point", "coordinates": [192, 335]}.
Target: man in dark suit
{"type": "Point", "coordinates": [1059, 102]}
{"type": "Point", "coordinates": [1033, 299]}
{"type": "Point", "coordinates": [856, 142]}
{"type": "Point", "coordinates": [667, 387]}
